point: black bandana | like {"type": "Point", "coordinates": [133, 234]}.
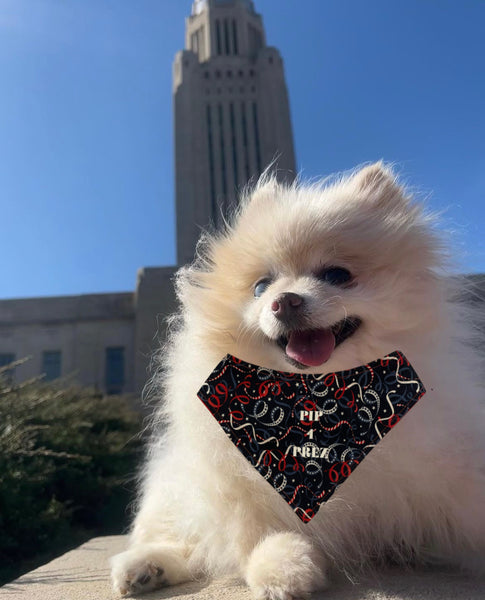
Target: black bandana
{"type": "Point", "coordinates": [305, 434]}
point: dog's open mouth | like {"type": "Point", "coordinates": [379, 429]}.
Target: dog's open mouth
{"type": "Point", "coordinates": [313, 347]}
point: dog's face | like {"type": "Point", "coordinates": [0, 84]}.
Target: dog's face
{"type": "Point", "coordinates": [304, 313]}
{"type": "Point", "coordinates": [320, 279]}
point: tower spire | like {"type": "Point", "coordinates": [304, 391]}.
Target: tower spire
{"type": "Point", "coordinates": [199, 5]}
{"type": "Point", "coordinates": [231, 112]}
{"type": "Point", "coordinates": [224, 28]}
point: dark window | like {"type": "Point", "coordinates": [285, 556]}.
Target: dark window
{"type": "Point", "coordinates": [115, 370]}
{"type": "Point", "coordinates": [210, 146]}
{"type": "Point", "coordinates": [270, 60]}
{"type": "Point", "coordinates": [256, 137]}
{"type": "Point", "coordinates": [206, 75]}
{"type": "Point", "coordinates": [245, 140]}
{"type": "Point", "coordinates": [229, 74]}
{"type": "Point", "coordinates": [234, 37]}
{"type": "Point", "coordinates": [251, 73]}
{"type": "Point", "coordinates": [218, 37]}
{"type": "Point", "coordinates": [226, 36]}
{"type": "Point", "coordinates": [6, 358]}
{"type": "Point", "coordinates": [51, 364]}
{"type": "Point", "coordinates": [235, 165]}
{"type": "Point", "coordinates": [222, 150]}
{"type": "Point", "coordinates": [240, 73]}
{"type": "Point", "coordinates": [218, 74]}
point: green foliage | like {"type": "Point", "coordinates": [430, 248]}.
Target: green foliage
{"type": "Point", "coordinates": [67, 461]}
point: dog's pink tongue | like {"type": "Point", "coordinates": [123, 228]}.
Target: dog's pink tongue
{"type": "Point", "coordinates": [311, 348]}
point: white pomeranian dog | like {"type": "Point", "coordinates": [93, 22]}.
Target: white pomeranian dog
{"type": "Point", "coordinates": [356, 250]}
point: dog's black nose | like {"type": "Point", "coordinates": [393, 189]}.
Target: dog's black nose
{"type": "Point", "coordinates": [286, 305]}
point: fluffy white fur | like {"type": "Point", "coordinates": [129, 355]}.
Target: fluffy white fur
{"type": "Point", "coordinates": [419, 497]}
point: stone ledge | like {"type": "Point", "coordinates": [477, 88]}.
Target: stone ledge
{"type": "Point", "coordinates": [83, 573]}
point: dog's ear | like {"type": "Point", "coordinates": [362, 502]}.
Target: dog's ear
{"type": "Point", "coordinates": [377, 184]}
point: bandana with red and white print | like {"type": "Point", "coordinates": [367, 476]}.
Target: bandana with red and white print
{"type": "Point", "coordinates": [305, 434]}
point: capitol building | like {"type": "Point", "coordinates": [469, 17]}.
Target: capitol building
{"type": "Point", "coordinates": [231, 120]}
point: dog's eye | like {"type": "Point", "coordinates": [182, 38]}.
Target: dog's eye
{"type": "Point", "coordinates": [260, 287]}
{"type": "Point", "coordinates": [336, 275]}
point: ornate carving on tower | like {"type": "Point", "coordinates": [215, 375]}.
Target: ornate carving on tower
{"type": "Point", "coordinates": [231, 115]}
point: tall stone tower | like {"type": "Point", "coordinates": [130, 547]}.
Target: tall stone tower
{"type": "Point", "coordinates": [232, 116]}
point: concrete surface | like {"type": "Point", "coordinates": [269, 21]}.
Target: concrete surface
{"type": "Point", "coordinates": [83, 573]}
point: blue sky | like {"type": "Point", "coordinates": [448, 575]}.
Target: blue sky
{"type": "Point", "coordinates": [86, 164]}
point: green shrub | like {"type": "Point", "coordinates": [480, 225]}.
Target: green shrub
{"type": "Point", "coordinates": [67, 461]}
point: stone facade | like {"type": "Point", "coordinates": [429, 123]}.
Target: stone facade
{"type": "Point", "coordinates": [154, 302]}
{"type": "Point", "coordinates": [101, 340]}
{"type": "Point", "coordinates": [78, 328]}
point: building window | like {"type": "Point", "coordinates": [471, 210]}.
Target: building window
{"type": "Point", "coordinates": [240, 73]}
{"type": "Point", "coordinates": [218, 37]}
{"type": "Point", "coordinates": [222, 150]}
{"type": "Point", "coordinates": [256, 137]}
{"type": "Point", "coordinates": [226, 36]}
{"type": "Point", "coordinates": [115, 370]}
{"type": "Point", "coordinates": [7, 358]}
{"type": "Point", "coordinates": [51, 364]}
{"type": "Point", "coordinates": [218, 74]}
{"type": "Point", "coordinates": [245, 140]}
{"type": "Point", "coordinates": [235, 166]}
{"type": "Point", "coordinates": [234, 37]}
{"type": "Point", "coordinates": [206, 75]}
{"type": "Point", "coordinates": [210, 147]}
{"type": "Point", "coordinates": [229, 74]}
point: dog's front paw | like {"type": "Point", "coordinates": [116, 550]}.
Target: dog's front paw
{"type": "Point", "coordinates": [147, 567]}
{"type": "Point", "coordinates": [284, 567]}
{"type": "Point", "coordinates": [138, 577]}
